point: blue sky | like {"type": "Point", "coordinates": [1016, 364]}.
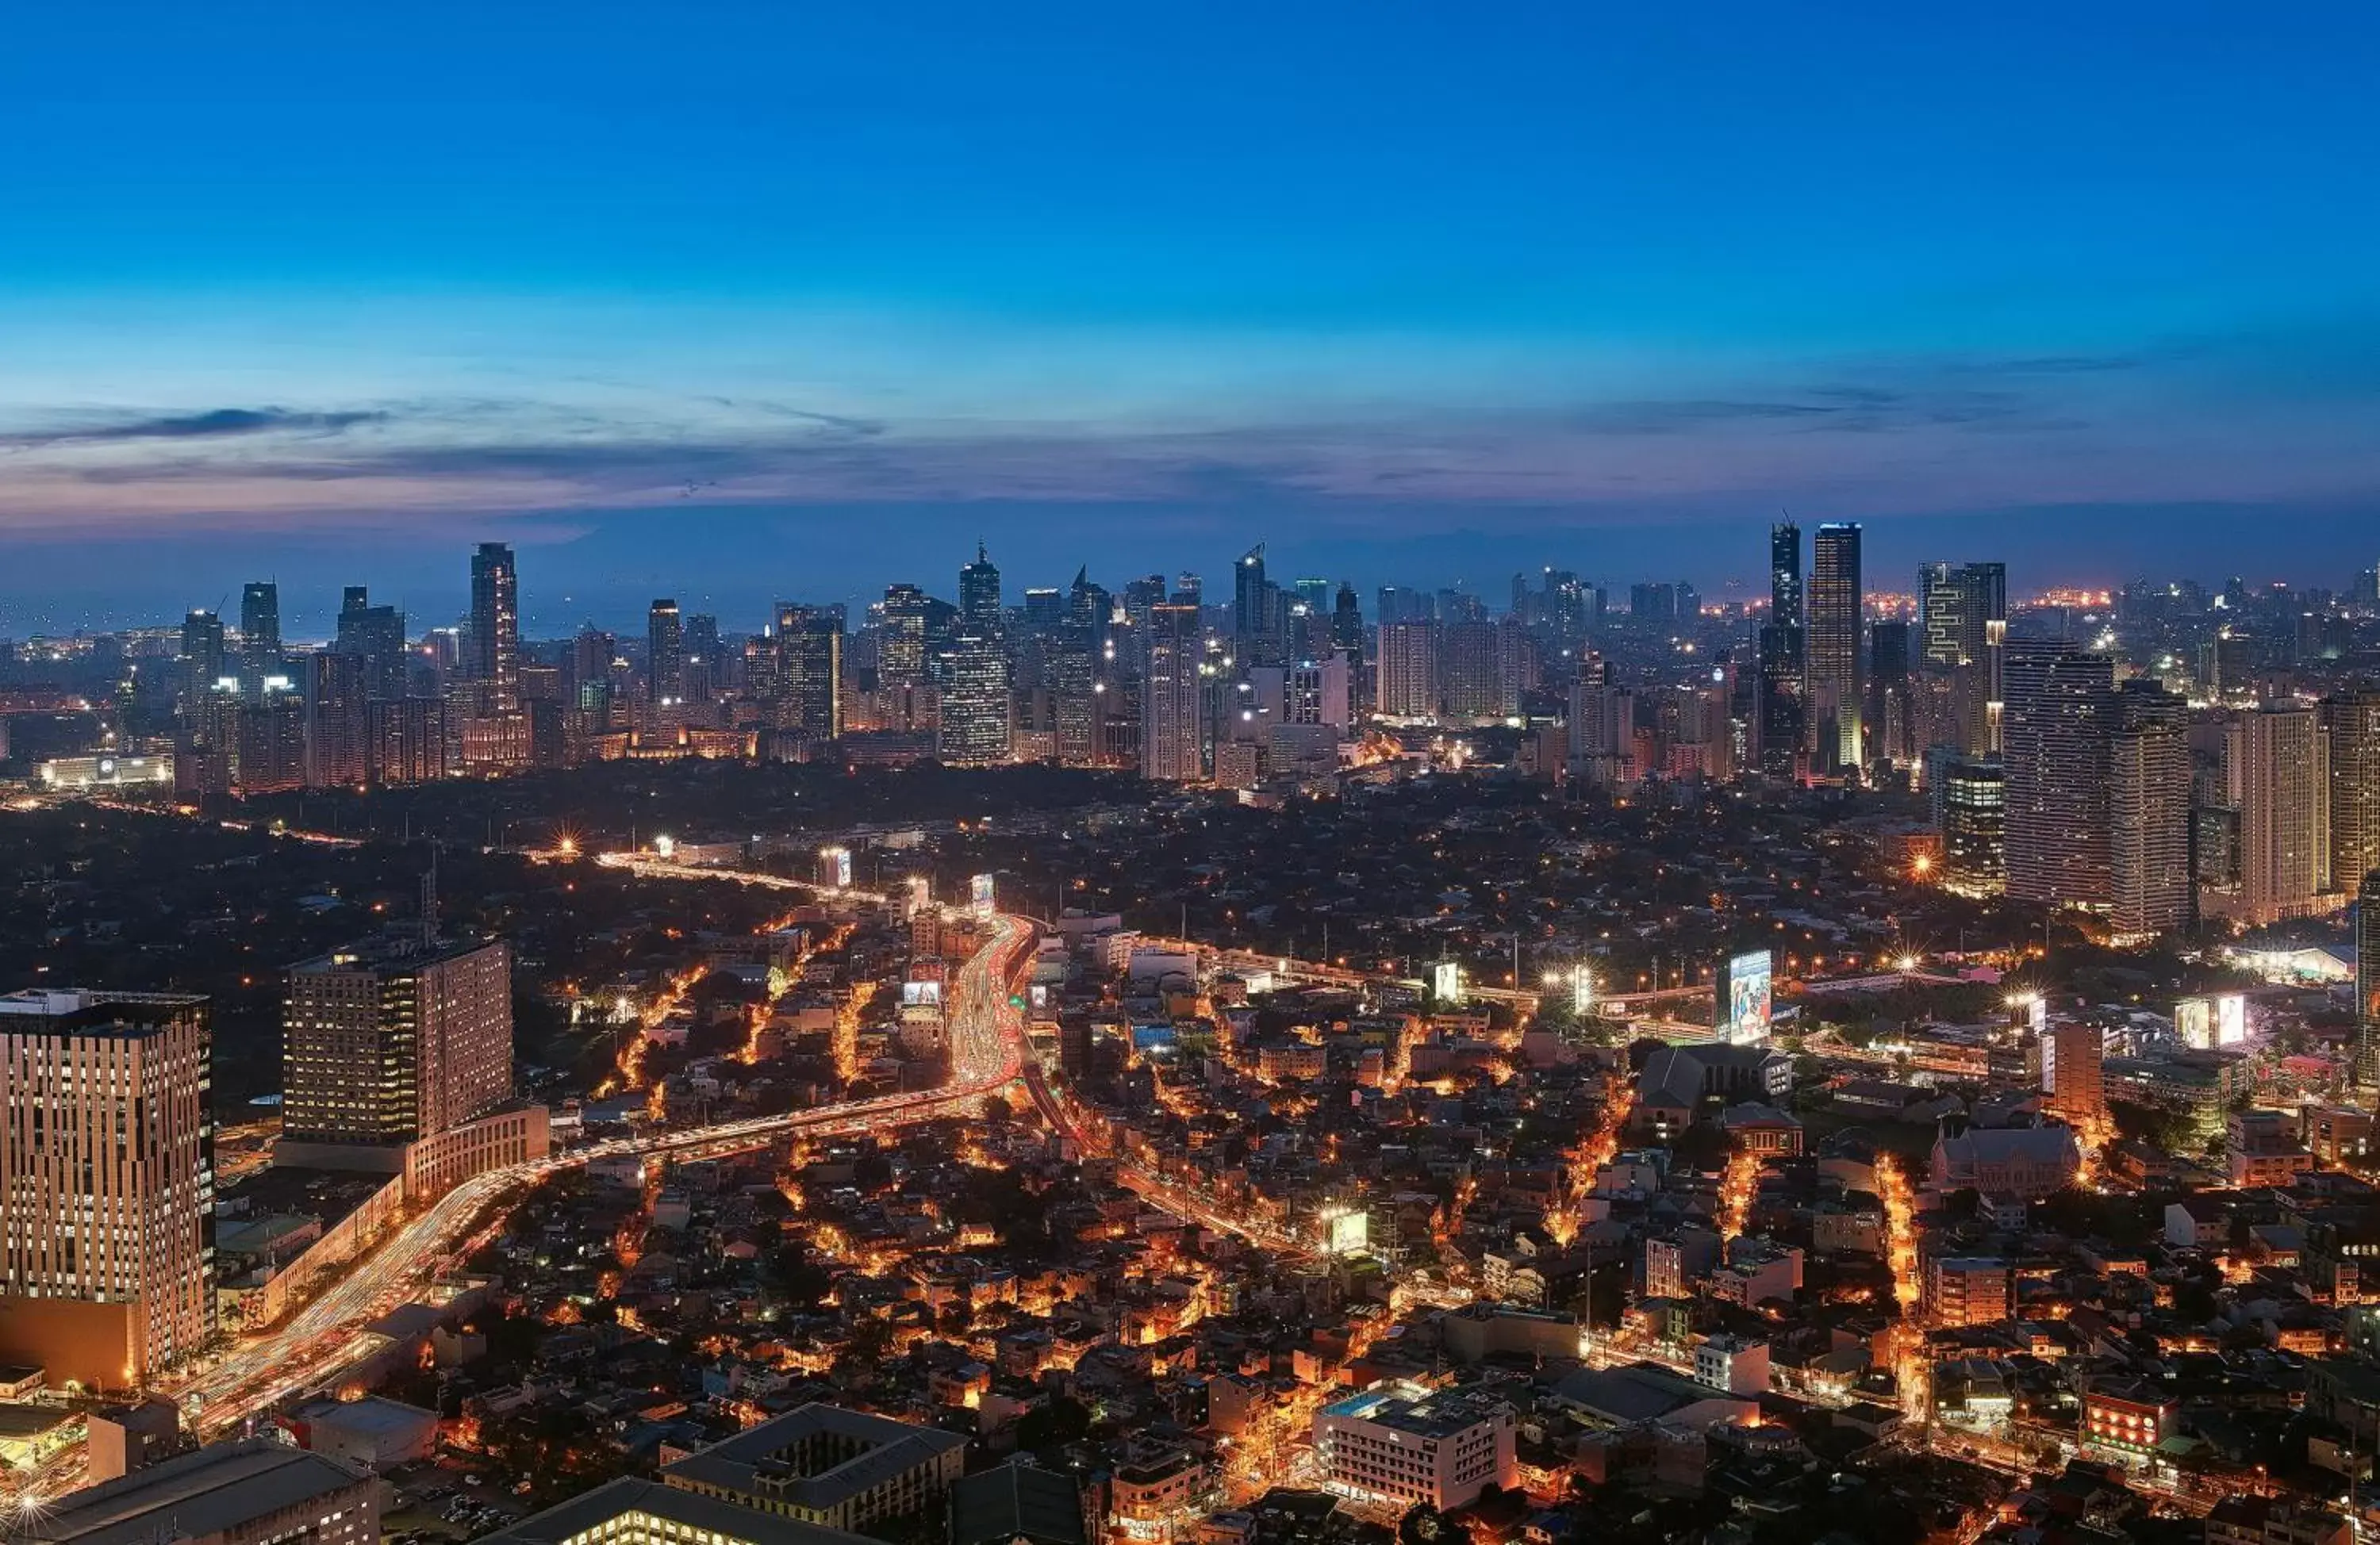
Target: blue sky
{"type": "Point", "coordinates": [746, 300]}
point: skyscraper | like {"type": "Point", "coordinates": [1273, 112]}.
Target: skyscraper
{"type": "Point", "coordinates": [2059, 729]}
{"type": "Point", "coordinates": [202, 659]}
{"type": "Point", "coordinates": [391, 1039]}
{"type": "Point", "coordinates": [1963, 616]}
{"type": "Point", "coordinates": [2276, 772]}
{"type": "Point", "coordinates": [664, 653]}
{"type": "Point", "coordinates": [1837, 663]}
{"type": "Point", "coordinates": [1973, 798]}
{"type": "Point", "coordinates": [375, 635]}
{"type": "Point", "coordinates": [1405, 670]}
{"type": "Point", "coordinates": [495, 623]}
{"type": "Point", "coordinates": [1256, 607]}
{"type": "Point", "coordinates": [2351, 725]}
{"type": "Point", "coordinates": [1470, 682]}
{"type": "Point", "coordinates": [805, 692]}
{"type": "Point", "coordinates": [2149, 810]}
{"type": "Point", "coordinates": [1782, 709]}
{"type": "Point", "coordinates": [2367, 985]}
{"type": "Point", "coordinates": [106, 1249]}
{"type": "Point", "coordinates": [705, 662]}
{"type": "Point", "coordinates": [1171, 734]}
{"type": "Point", "coordinates": [901, 658]}
{"type": "Point", "coordinates": [338, 720]}
{"type": "Point", "coordinates": [260, 634]}
{"type": "Point", "coordinates": [979, 595]}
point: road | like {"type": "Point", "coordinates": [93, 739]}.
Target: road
{"type": "Point", "coordinates": [329, 1334]}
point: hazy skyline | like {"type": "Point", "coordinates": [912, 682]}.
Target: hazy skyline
{"type": "Point", "coordinates": [762, 302]}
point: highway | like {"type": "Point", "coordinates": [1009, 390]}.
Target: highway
{"type": "Point", "coordinates": [329, 1335]}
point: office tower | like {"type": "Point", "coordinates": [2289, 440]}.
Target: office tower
{"type": "Point", "coordinates": [979, 595]}
{"type": "Point", "coordinates": [1971, 795]}
{"type": "Point", "coordinates": [1315, 593]}
{"type": "Point", "coordinates": [806, 685]}
{"type": "Point", "coordinates": [1602, 731]}
{"type": "Point", "coordinates": [2277, 774]}
{"type": "Point", "coordinates": [495, 623]}
{"type": "Point", "coordinates": [1255, 605]}
{"type": "Point", "coordinates": [260, 634]}
{"type": "Point", "coordinates": [1783, 709]}
{"type": "Point", "coordinates": [705, 659]}
{"type": "Point", "coordinates": [1963, 615]}
{"type": "Point", "coordinates": [408, 741]}
{"type": "Point", "coordinates": [1347, 624]}
{"type": "Point", "coordinates": [2074, 1072]}
{"type": "Point", "coordinates": [338, 721]}
{"type": "Point", "coordinates": [1891, 734]}
{"type": "Point", "coordinates": [203, 658]}
{"type": "Point", "coordinates": [2351, 725]}
{"type": "Point", "coordinates": [106, 1247]}
{"type": "Point", "coordinates": [1399, 603]}
{"type": "Point", "coordinates": [1653, 603]}
{"type": "Point", "coordinates": [2058, 730]}
{"type": "Point", "coordinates": [268, 744]}
{"type": "Point", "coordinates": [664, 653]}
{"type": "Point", "coordinates": [1470, 683]}
{"type": "Point", "coordinates": [1074, 692]}
{"type": "Point", "coordinates": [1836, 661]}
{"type": "Point", "coordinates": [976, 729]}
{"type": "Point", "coordinates": [376, 635]}
{"type": "Point", "coordinates": [1405, 668]}
{"type": "Point", "coordinates": [901, 656]}
{"type": "Point", "coordinates": [2149, 810]}
{"type": "Point", "coordinates": [1170, 728]}
{"type": "Point", "coordinates": [2367, 986]}
{"type": "Point", "coordinates": [1045, 611]}
{"type": "Point", "coordinates": [394, 1038]}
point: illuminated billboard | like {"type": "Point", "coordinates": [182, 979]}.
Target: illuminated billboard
{"type": "Point", "coordinates": [979, 895]}
{"type": "Point", "coordinates": [1748, 1006]}
{"type": "Point", "coordinates": [1446, 981]}
{"type": "Point", "coordinates": [1582, 991]}
{"type": "Point", "coordinates": [834, 867]}
{"type": "Point", "coordinates": [2194, 1021]}
{"type": "Point", "coordinates": [2230, 1019]}
{"type": "Point", "coordinates": [1346, 1231]}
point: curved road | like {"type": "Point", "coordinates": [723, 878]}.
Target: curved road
{"type": "Point", "coordinates": [329, 1334]}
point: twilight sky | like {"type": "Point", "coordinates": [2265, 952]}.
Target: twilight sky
{"type": "Point", "coordinates": [790, 299]}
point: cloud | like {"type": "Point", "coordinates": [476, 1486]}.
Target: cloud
{"type": "Point", "coordinates": [223, 423]}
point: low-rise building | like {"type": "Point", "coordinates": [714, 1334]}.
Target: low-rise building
{"type": "Point", "coordinates": [1402, 1443]}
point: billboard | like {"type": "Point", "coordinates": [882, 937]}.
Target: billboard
{"type": "Point", "coordinates": [921, 894]}
{"type": "Point", "coordinates": [1346, 1230]}
{"type": "Point", "coordinates": [1446, 981]}
{"type": "Point", "coordinates": [2194, 1021]}
{"type": "Point", "coordinates": [2230, 1019]}
{"type": "Point", "coordinates": [1582, 991]}
{"type": "Point", "coordinates": [1748, 1007]}
{"type": "Point", "coordinates": [921, 995]}
{"type": "Point", "coordinates": [834, 867]}
{"type": "Point", "coordinates": [979, 895]}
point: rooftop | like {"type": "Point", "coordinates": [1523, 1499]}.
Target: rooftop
{"type": "Point", "coordinates": [212, 1490]}
{"type": "Point", "coordinates": [648, 1504]}
{"type": "Point", "coordinates": [755, 1462]}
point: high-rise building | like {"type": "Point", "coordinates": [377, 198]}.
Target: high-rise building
{"type": "Point", "coordinates": [495, 623]}
{"type": "Point", "coordinates": [2072, 1073]}
{"type": "Point", "coordinates": [376, 635]}
{"type": "Point", "coordinates": [106, 1219]}
{"type": "Point", "coordinates": [1963, 616]}
{"type": "Point", "coordinates": [2149, 782]}
{"type": "Point", "coordinates": [664, 653]}
{"type": "Point", "coordinates": [338, 720]}
{"type": "Point", "coordinates": [1256, 610]}
{"type": "Point", "coordinates": [408, 741]}
{"type": "Point", "coordinates": [901, 656]}
{"type": "Point", "coordinates": [1405, 670]}
{"type": "Point", "coordinates": [1470, 683]}
{"type": "Point", "coordinates": [978, 726]}
{"type": "Point", "coordinates": [2277, 774]}
{"type": "Point", "coordinates": [2367, 986]}
{"type": "Point", "coordinates": [2058, 729]}
{"type": "Point", "coordinates": [1172, 737]}
{"type": "Point", "coordinates": [806, 685]}
{"type": "Point", "coordinates": [1784, 709]}
{"type": "Point", "coordinates": [2351, 725]}
{"type": "Point", "coordinates": [260, 634]}
{"type": "Point", "coordinates": [268, 740]}
{"type": "Point", "coordinates": [705, 658]}
{"type": "Point", "coordinates": [1347, 624]}
{"type": "Point", "coordinates": [1891, 735]}
{"type": "Point", "coordinates": [1837, 662]}
{"type": "Point", "coordinates": [202, 659]}
{"type": "Point", "coordinates": [391, 1039]}
{"type": "Point", "coordinates": [1972, 794]}
{"type": "Point", "coordinates": [979, 595]}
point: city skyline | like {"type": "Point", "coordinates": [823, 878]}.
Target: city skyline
{"type": "Point", "coordinates": [1623, 282]}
